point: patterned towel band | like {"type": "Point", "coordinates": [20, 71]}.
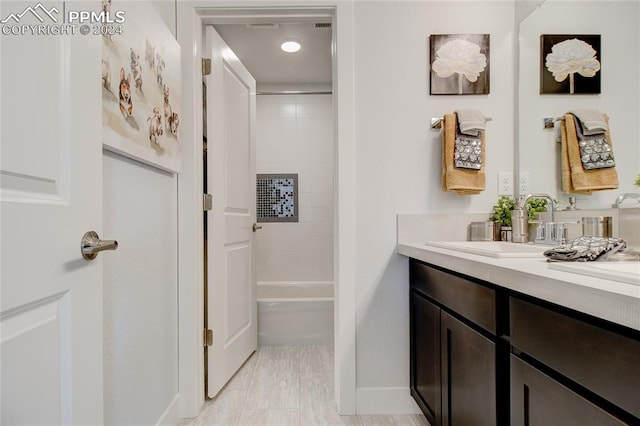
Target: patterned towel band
{"type": "Point", "coordinates": [468, 153]}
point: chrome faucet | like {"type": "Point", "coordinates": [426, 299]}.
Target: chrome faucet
{"type": "Point", "coordinates": [547, 232]}
{"type": "Point", "coordinates": [623, 197]}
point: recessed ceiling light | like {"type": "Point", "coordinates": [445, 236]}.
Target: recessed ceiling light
{"type": "Point", "coordinates": [290, 46]}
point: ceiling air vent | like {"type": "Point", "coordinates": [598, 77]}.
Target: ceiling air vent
{"type": "Point", "coordinates": [323, 25]}
{"type": "Point", "coordinates": [263, 25]}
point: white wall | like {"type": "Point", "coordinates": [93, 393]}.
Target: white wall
{"type": "Point", "coordinates": [141, 287]}
{"type": "Point", "coordinates": [140, 292]}
{"type": "Point", "coordinates": [294, 134]}
{"type": "Point", "coordinates": [399, 163]}
{"type": "Point", "coordinates": [617, 23]}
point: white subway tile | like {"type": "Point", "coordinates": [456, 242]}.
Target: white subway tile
{"type": "Point", "coordinates": [304, 110]}
{"type": "Point", "coordinates": [323, 273]}
{"type": "Point", "coordinates": [288, 110]}
{"type": "Point", "coordinates": [320, 110]}
{"type": "Point", "coordinates": [322, 199]}
{"type": "Point", "coordinates": [305, 200]}
{"type": "Point", "coordinates": [305, 128]}
{"type": "Point", "coordinates": [269, 274]}
{"type": "Point", "coordinates": [298, 273]}
{"type": "Point", "coordinates": [322, 169]}
{"type": "Point", "coordinates": [289, 128]}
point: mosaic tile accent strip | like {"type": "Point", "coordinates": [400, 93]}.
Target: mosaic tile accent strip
{"type": "Point", "coordinates": [277, 197]}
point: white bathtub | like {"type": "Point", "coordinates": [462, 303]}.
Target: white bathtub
{"type": "Point", "coordinates": [295, 313]}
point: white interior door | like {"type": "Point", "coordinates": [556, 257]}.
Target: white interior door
{"type": "Point", "coordinates": [51, 297]}
{"type": "Point", "coordinates": [232, 309]}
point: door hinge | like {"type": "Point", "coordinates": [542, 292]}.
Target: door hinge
{"type": "Point", "coordinates": [206, 66]}
{"type": "Point", "coordinates": [207, 202]}
{"type": "Point", "coordinates": [208, 337]}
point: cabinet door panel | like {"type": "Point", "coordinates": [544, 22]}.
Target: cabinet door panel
{"type": "Point", "coordinates": [425, 356]}
{"type": "Point", "coordinates": [468, 375]}
{"type": "Point", "coordinates": [538, 400]}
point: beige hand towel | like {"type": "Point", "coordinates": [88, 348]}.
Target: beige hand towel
{"type": "Point", "coordinates": [460, 181]}
{"type": "Point", "coordinates": [584, 181]}
{"type": "Point", "coordinates": [567, 185]}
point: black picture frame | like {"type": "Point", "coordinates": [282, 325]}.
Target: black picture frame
{"type": "Point", "coordinates": [456, 83]}
{"type": "Point", "coordinates": [576, 84]}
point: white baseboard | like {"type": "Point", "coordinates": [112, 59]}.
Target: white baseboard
{"type": "Point", "coordinates": [171, 415]}
{"type": "Point", "coordinates": [385, 401]}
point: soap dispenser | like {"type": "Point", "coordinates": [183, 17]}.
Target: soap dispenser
{"type": "Point", "coordinates": [520, 223]}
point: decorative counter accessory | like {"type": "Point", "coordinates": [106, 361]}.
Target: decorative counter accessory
{"type": "Point", "coordinates": [584, 249]}
{"type": "Point", "coordinates": [482, 231]}
{"type": "Point", "coordinates": [520, 224]}
{"type": "Point", "coordinates": [638, 181]}
{"type": "Point", "coordinates": [597, 226]}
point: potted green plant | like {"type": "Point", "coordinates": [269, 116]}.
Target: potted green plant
{"type": "Point", "coordinates": [638, 181]}
{"type": "Point", "coordinates": [535, 206]}
{"type": "Point", "coordinates": [501, 216]}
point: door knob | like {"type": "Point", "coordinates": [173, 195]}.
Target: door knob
{"type": "Point", "coordinates": [256, 227]}
{"type": "Point", "coordinates": [91, 245]}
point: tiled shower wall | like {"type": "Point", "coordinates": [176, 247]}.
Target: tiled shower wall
{"type": "Point", "coordinates": [295, 135]}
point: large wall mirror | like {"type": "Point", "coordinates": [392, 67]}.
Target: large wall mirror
{"type": "Point", "coordinates": [538, 152]}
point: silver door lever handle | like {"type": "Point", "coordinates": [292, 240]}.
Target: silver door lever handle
{"type": "Point", "coordinates": [91, 245]}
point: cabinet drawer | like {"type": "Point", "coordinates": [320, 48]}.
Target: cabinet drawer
{"type": "Point", "coordinates": [602, 361]}
{"type": "Point", "coordinates": [471, 300]}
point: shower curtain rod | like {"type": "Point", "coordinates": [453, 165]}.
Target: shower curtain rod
{"type": "Point", "coordinates": [296, 92]}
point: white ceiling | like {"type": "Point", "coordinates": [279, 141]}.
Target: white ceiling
{"type": "Point", "coordinates": [258, 47]}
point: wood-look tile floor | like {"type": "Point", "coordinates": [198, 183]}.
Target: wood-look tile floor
{"type": "Point", "coordinates": [286, 386]}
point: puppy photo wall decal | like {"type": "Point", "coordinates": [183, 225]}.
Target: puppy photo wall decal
{"type": "Point", "coordinates": [141, 88]}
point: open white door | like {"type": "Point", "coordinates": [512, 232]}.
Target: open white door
{"type": "Point", "coordinates": [232, 309]}
{"type": "Point", "coordinates": [51, 192]}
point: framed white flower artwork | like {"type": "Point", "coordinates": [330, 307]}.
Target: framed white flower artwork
{"type": "Point", "coordinates": [570, 64]}
{"type": "Point", "coordinates": [459, 64]}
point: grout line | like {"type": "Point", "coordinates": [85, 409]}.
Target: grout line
{"type": "Point", "coordinates": [246, 393]}
{"type": "Point", "coordinates": [299, 385]}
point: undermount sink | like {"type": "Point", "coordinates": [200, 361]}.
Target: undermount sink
{"type": "Point", "coordinates": [625, 272]}
{"type": "Point", "coordinates": [492, 248]}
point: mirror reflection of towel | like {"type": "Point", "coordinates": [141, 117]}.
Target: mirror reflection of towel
{"type": "Point", "coordinates": [460, 181]}
{"type": "Point", "coordinates": [575, 179]}
{"type": "Point", "coordinates": [591, 120]}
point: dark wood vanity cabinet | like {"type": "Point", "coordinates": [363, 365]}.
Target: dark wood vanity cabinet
{"type": "Point", "coordinates": [453, 362]}
{"type": "Point", "coordinates": [567, 367]}
{"type": "Point", "coordinates": [468, 375]}
{"type": "Point", "coordinates": [539, 400]}
{"type": "Point", "coordinates": [485, 355]}
{"type": "Point", "coordinates": [425, 357]}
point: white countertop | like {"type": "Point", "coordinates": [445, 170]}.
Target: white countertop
{"type": "Point", "coordinates": [614, 301]}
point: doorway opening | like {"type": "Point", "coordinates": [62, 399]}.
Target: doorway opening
{"type": "Point", "coordinates": [294, 135]}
